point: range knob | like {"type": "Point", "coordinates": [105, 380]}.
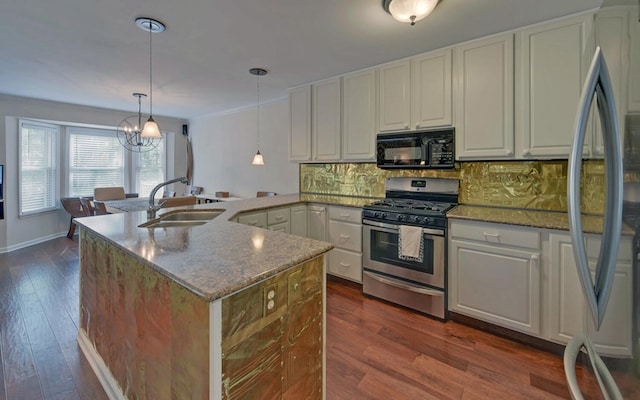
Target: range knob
{"type": "Point", "coordinates": [384, 215]}
{"type": "Point", "coordinates": [416, 219]}
{"type": "Point", "coordinates": [427, 220]}
{"type": "Point", "coordinates": [400, 217]}
{"type": "Point", "coordinates": [376, 214]}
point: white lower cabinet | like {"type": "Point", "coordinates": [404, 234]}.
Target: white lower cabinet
{"type": "Point", "coordinates": [299, 220]}
{"type": "Point", "coordinates": [345, 232]}
{"type": "Point", "coordinates": [257, 219]}
{"type": "Point", "coordinates": [494, 281]}
{"type": "Point", "coordinates": [317, 222]}
{"type": "Point", "coordinates": [567, 313]}
{"type": "Point", "coordinates": [525, 279]}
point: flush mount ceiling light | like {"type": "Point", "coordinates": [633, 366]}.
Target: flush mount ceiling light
{"type": "Point", "coordinates": [151, 128]}
{"type": "Point", "coordinates": [258, 72]}
{"type": "Point", "coordinates": [409, 11]}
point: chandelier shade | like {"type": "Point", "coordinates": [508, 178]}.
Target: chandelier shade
{"type": "Point", "coordinates": [409, 11]}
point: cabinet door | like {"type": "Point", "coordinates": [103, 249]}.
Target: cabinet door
{"type": "Point", "coordinates": [484, 98]}
{"type": "Point", "coordinates": [317, 222]}
{"type": "Point", "coordinates": [326, 124]}
{"type": "Point", "coordinates": [566, 304]}
{"type": "Point", "coordinates": [633, 101]}
{"type": "Point", "coordinates": [394, 111]}
{"type": "Point", "coordinates": [346, 264]}
{"type": "Point", "coordinates": [496, 284]}
{"type": "Point", "coordinates": [612, 35]}
{"type": "Point", "coordinates": [567, 314]}
{"type": "Point", "coordinates": [300, 124]}
{"type": "Point", "coordinates": [299, 220]}
{"type": "Point", "coordinates": [359, 116]}
{"type": "Point", "coordinates": [431, 90]}
{"type": "Point", "coordinates": [345, 235]}
{"type": "Point", "coordinates": [551, 63]}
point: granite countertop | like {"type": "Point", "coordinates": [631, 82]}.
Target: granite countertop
{"type": "Point", "coordinates": [532, 218]}
{"type": "Point", "coordinates": [215, 259]}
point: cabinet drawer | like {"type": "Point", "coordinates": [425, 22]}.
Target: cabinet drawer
{"type": "Point", "coordinates": [346, 264]}
{"type": "Point", "coordinates": [278, 216]}
{"type": "Point", "coordinates": [254, 219]}
{"type": "Point", "coordinates": [345, 235]}
{"type": "Point", "coordinates": [348, 214]}
{"type": "Point", "coordinates": [281, 227]}
{"type": "Point", "coordinates": [494, 233]}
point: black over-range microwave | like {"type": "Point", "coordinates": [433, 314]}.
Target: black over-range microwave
{"type": "Point", "coordinates": [417, 149]}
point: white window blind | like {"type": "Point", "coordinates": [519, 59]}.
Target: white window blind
{"type": "Point", "coordinates": [150, 169]}
{"type": "Point", "coordinates": [38, 167]}
{"type": "Point", "coordinates": [96, 159]}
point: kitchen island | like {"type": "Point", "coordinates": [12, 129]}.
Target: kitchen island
{"type": "Point", "coordinates": [218, 310]}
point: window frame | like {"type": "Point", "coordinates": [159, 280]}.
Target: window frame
{"type": "Point", "coordinates": [55, 151]}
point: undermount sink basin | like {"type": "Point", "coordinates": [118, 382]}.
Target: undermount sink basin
{"type": "Point", "coordinates": [182, 219]}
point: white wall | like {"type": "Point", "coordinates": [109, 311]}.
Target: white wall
{"type": "Point", "coordinates": [224, 146]}
{"type": "Point", "coordinates": [19, 232]}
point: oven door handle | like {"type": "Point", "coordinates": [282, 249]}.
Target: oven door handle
{"type": "Point", "coordinates": [391, 228]}
{"type": "Point", "coordinates": [403, 285]}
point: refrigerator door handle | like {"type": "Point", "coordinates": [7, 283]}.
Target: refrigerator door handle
{"type": "Point", "coordinates": [598, 82]}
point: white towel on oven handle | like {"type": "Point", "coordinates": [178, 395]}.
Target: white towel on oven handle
{"type": "Point", "coordinates": [410, 243]}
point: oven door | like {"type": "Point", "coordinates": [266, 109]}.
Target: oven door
{"type": "Point", "coordinates": [380, 253]}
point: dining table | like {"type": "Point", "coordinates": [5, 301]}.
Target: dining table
{"type": "Point", "coordinates": [127, 205]}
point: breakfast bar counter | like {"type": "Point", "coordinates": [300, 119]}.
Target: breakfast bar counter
{"type": "Point", "coordinates": [206, 310]}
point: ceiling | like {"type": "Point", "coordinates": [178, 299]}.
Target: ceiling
{"type": "Point", "coordinates": [92, 53]}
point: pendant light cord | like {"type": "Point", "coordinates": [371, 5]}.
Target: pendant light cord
{"type": "Point", "coordinates": [258, 110]}
{"type": "Point", "coordinates": [150, 69]}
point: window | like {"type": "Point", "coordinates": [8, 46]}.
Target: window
{"type": "Point", "coordinates": [149, 169]}
{"type": "Point", "coordinates": [96, 159]}
{"type": "Point", "coordinates": [38, 162]}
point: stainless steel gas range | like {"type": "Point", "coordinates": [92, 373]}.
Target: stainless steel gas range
{"type": "Point", "coordinates": [413, 214]}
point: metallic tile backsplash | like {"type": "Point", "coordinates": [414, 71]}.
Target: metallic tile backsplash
{"type": "Point", "coordinates": [539, 185]}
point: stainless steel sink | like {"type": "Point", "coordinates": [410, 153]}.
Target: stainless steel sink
{"type": "Point", "coordinates": [184, 218]}
{"type": "Point", "coordinates": [191, 215]}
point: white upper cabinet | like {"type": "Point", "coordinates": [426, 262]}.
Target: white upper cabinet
{"type": "Point", "coordinates": [300, 124]}
{"type": "Point", "coordinates": [359, 116]}
{"type": "Point", "coordinates": [326, 122]}
{"type": "Point", "coordinates": [551, 63]}
{"type": "Point", "coordinates": [431, 90]}
{"type": "Point", "coordinates": [612, 35]}
{"type": "Point", "coordinates": [395, 96]}
{"type": "Point", "coordinates": [633, 102]}
{"type": "Point", "coordinates": [483, 86]}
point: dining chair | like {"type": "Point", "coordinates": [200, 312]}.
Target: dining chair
{"type": "Point", "coordinates": [109, 193]}
{"type": "Point", "coordinates": [266, 194]}
{"type": "Point", "coordinates": [73, 206]}
{"type": "Point", "coordinates": [166, 202]}
{"type": "Point", "coordinates": [100, 208]}
{"type": "Point", "coordinates": [87, 207]}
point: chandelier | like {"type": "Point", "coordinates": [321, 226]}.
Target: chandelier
{"type": "Point", "coordinates": [258, 72]}
{"type": "Point", "coordinates": [130, 131]}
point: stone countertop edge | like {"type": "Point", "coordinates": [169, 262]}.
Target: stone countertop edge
{"type": "Point", "coordinates": [220, 257]}
{"type": "Point", "coordinates": [531, 218]}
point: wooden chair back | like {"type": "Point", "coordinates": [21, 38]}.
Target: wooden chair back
{"type": "Point", "coordinates": [87, 207]}
{"type": "Point", "coordinates": [166, 202]}
{"type": "Point", "coordinates": [100, 208]}
{"type": "Point", "coordinates": [109, 193]}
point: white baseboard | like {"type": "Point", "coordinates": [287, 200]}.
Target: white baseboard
{"type": "Point", "coordinates": [108, 382]}
{"type": "Point", "coordinates": [31, 242]}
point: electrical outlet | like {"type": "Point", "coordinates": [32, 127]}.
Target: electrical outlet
{"type": "Point", "coordinates": [270, 299]}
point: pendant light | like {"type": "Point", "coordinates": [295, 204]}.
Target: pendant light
{"type": "Point", "coordinates": [129, 131]}
{"type": "Point", "coordinates": [151, 128]}
{"type": "Point", "coordinates": [409, 11]}
{"type": "Point", "coordinates": [258, 72]}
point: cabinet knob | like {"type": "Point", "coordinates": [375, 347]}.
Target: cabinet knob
{"type": "Point", "coordinates": [526, 152]}
{"type": "Point", "coordinates": [406, 126]}
{"type": "Point", "coordinates": [417, 126]}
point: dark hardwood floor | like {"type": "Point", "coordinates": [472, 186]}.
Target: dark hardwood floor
{"type": "Point", "coordinates": [374, 350]}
